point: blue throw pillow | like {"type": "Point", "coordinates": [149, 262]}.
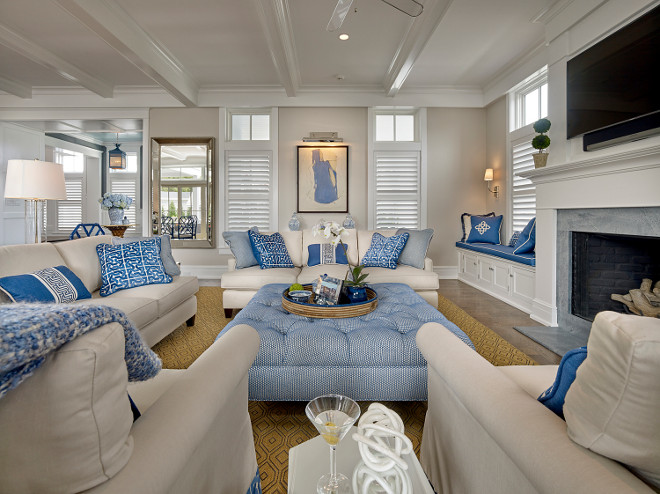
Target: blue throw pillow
{"type": "Point", "coordinates": [57, 284]}
{"type": "Point", "coordinates": [414, 252]}
{"type": "Point", "coordinates": [514, 239]}
{"type": "Point", "coordinates": [326, 254]}
{"type": "Point", "coordinates": [270, 250]}
{"type": "Point", "coordinates": [527, 240]}
{"type": "Point", "coordinates": [384, 252]}
{"type": "Point", "coordinates": [485, 229]}
{"type": "Point", "coordinates": [130, 265]}
{"type": "Point", "coordinates": [169, 264]}
{"type": "Point", "coordinates": [554, 396]}
{"type": "Point", "coordinates": [241, 248]}
{"type": "Point", "coordinates": [467, 226]}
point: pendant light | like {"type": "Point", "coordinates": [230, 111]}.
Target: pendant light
{"type": "Point", "coordinates": [117, 157]}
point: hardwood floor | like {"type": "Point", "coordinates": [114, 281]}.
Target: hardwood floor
{"type": "Point", "coordinates": [498, 316]}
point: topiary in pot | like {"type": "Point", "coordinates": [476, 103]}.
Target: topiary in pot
{"type": "Point", "coordinates": [541, 142]}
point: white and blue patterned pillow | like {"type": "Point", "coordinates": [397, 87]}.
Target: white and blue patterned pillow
{"type": "Point", "coordinates": [485, 229]}
{"type": "Point", "coordinates": [130, 265]}
{"type": "Point", "coordinates": [514, 239]}
{"type": "Point", "coordinates": [326, 254]}
{"type": "Point", "coordinates": [384, 252]}
{"type": "Point", "coordinates": [58, 284]}
{"type": "Point", "coordinates": [270, 250]}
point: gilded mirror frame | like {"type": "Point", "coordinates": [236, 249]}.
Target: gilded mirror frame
{"type": "Point", "coordinates": [185, 232]}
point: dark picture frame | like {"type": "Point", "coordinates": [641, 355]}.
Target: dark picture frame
{"type": "Point", "coordinates": [322, 173]}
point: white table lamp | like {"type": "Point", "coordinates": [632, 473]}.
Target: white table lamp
{"type": "Point", "coordinates": [34, 181]}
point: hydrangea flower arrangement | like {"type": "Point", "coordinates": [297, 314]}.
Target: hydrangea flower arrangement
{"type": "Point", "coordinates": [121, 201]}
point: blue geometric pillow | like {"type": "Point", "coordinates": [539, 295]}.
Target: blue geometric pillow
{"type": "Point", "coordinates": [326, 254]}
{"type": "Point", "coordinates": [130, 265]}
{"type": "Point", "coordinates": [554, 396]}
{"type": "Point", "coordinates": [514, 239]}
{"type": "Point", "coordinates": [527, 240]}
{"type": "Point", "coordinates": [384, 252]}
{"type": "Point", "coordinates": [485, 229]}
{"type": "Point", "coordinates": [57, 284]}
{"type": "Point", "coordinates": [270, 250]}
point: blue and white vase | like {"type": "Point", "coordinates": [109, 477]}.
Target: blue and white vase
{"type": "Point", "coordinates": [294, 223]}
{"type": "Point", "coordinates": [116, 216]}
{"type": "Point", "coordinates": [348, 222]}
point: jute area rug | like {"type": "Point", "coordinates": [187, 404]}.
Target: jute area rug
{"type": "Point", "coordinates": [278, 426]}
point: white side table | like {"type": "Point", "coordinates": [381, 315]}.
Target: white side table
{"type": "Point", "coordinates": [310, 460]}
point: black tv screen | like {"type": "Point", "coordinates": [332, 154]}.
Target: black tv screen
{"type": "Point", "coordinates": [616, 80]}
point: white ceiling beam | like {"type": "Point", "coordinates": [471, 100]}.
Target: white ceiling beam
{"type": "Point", "coordinates": [45, 58]}
{"type": "Point", "coordinates": [276, 22]}
{"type": "Point", "coordinates": [117, 28]}
{"type": "Point", "coordinates": [413, 43]}
{"type": "Point", "coordinates": [16, 88]}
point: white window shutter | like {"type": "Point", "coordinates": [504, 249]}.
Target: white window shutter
{"type": "Point", "coordinates": [70, 212]}
{"type": "Point", "coordinates": [523, 192]}
{"type": "Point", "coordinates": [127, 186]}
{"type": "Point", "coordinates": [397, 191]}
{"type": "Point", "coordinates": [249, 189]}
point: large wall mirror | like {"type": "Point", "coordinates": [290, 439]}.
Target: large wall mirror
{"type": "Point", "coordinates": [182, 171]}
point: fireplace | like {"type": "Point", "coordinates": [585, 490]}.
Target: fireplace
{"type": "Point", "coordinates": [603, 264]}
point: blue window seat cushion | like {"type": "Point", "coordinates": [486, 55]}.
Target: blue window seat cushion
{"type": "Point", "coordinates": [53, 285]}
{"type": "Point", "coordinates": [555, 395]}
{"type": "Point", "coordinates": [270, 250]}
{"type": "Point", "coordinates": [326, 254]}
{"type": "Point", "coordinates": [485, 229]}
{"type": "Point", "coordinates": [503, 251]}
{"type": "Point", "coordinates": [129, 265]}
{"type": "Point", "coordinates": [384, 251]}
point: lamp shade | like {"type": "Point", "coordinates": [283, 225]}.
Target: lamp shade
{"type": "Point", "coordinates": [34, 179]}
{"type": "Point", "coordinates": [488, 176]}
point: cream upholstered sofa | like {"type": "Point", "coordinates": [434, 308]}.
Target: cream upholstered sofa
{"type": "Point", "coordinates": [69, 427]}
{"type": "Point", "coordinates": [485, 431]}
{"type": "Point", "coordinates": [156, 310]}
{"type": "Point", "coordinates": [240, 285]}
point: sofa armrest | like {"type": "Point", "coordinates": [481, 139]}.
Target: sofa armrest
{"type": "Point", "coordinates": [201, 418]}
{"type": "Point", "coordinates": [499, 415]}
{"type": "Point", "coordinates": [428, 264]}
{"type": "Point", "coordinates": [231, 264]}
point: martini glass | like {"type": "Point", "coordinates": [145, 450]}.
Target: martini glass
{"type": "Point", "coordinates": [333, 416]}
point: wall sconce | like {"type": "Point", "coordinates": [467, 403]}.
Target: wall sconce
{"type": "Point", "coordinates": [488, 177]}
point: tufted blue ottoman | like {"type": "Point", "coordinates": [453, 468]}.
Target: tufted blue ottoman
{"type": "Point", "coordinates": [371, 357]}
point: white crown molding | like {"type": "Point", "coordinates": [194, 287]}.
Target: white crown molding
{"type": "Point", "coordinates": [413, 43]}
{"type": "Point", "coordinates": [277, 26]}
{"type": "Point", "coordinates": [16, 88]}
{"type": "Point", "coordinates": [40, 55]}
{"type": "Point", "coordinates": [112, 24]}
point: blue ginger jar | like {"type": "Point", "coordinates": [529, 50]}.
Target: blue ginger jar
{"type": "Point", "coordinates": [294, 223]}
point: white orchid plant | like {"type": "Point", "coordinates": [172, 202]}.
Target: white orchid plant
{"type": "Point", "coordinates": [335, 233]}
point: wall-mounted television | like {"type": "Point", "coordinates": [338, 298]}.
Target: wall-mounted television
{"type": "Point", "coordinates": [613, 88]}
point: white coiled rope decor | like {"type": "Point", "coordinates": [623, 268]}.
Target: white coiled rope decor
{"type": "Point", "coordinates": [382, 442]}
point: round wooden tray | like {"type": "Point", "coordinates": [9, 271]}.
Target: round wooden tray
{"type": "Point", "coordinates": [330, 311]}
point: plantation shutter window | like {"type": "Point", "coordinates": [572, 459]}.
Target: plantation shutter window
{"type": "Point", "coordinates": [523, 192]}
{"type": "Point", "coordinates": [397, 189]}
{"type": "Point", "coordinates": [127, 182]}
{"type": "Point", "coordinates": [70, 212]}
{"type": "Point", "coordinates": [249, 188]}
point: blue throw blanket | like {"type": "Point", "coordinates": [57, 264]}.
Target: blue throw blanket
{"type": "Point", "coordinates": [29, 332]}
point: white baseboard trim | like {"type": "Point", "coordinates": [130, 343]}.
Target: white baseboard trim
{"type": "Point", "coordinates": [211, 273]}
{"type": "Point", "coordinates": [544, 313]}
{"type": "Point", "coordinates": [446, 272]}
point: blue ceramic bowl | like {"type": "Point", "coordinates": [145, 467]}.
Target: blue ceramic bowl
{"type": "Point", "coordinates": [300, 295]}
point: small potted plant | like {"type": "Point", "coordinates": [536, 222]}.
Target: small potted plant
{"type": "Point", "coordinates": [356, 288]}
{"type": "Point", "coordinates": [541, 142]}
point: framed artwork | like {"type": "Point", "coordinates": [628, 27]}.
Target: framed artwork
{"type": "Point", "coordinates": [323, 179]}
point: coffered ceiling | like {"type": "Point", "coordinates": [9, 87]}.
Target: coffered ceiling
{"type": "Point", "coordinates": [187, 47]}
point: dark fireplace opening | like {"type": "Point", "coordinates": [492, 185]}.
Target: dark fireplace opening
{"type": "Point", "coordinates": [604, 264]}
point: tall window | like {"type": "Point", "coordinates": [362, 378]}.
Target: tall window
{"type": "Point", "coordinates": [250, 169]}
{"type": "Point", "coordinates": [127, 182]}
{"type": "Point", "coordinates": [69, 213]}
{"type": "Point", "coordinates": [528, 102]}
{"type": "Point", "coordinates": [396, 169]}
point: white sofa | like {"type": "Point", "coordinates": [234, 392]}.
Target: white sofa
{"type": "Point", "coordinates": [69, 427]}
{"type": "Point", "coordinates": [240, 285]}
{"type": "Point", "coordinates": [156, 310]}
{"type": "Point", "coordinates": [485, 431]}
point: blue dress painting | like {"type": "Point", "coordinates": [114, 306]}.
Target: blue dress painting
{"type": "Point", "coordinates": [325, 179]}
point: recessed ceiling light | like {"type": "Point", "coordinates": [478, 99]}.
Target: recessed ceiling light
{"type": "Point", "coordinates": [343, 36]}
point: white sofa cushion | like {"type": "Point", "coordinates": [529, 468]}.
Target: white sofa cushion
{"type": "Point", "coordinates": [66, 428]}
{"type": "Point", "coordinates": [351, 242]}
{"type": "Point", "coordinates": [417, 279]}
{"type": "Point", "coordinates": [534, 379]}
{"type": "Point", "coordinates": [310, 273]}
{"type": "Point", "coordinates": [139, 310]}
{"type": "Point", "coordinates": [81, 257]}
{"type": "Point", "coordinates": [293, 242]}
{"type": "Point", "coordinates": [254, 277]}
{"type": "Point", "coordinates": [613, 406]}
{"type": "Point", "coordinates": [167, 295]}
{"type": "Point", "coordinates": [21, 259]}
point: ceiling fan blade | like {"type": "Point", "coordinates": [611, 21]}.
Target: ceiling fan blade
{"type": "Point", "coordinates": [410, 7]}
{"type": "Point", "coordinates": [338, 16]}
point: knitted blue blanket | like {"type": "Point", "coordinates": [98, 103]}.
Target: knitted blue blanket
{"type": "Point", "coordinates": [29, 332]}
